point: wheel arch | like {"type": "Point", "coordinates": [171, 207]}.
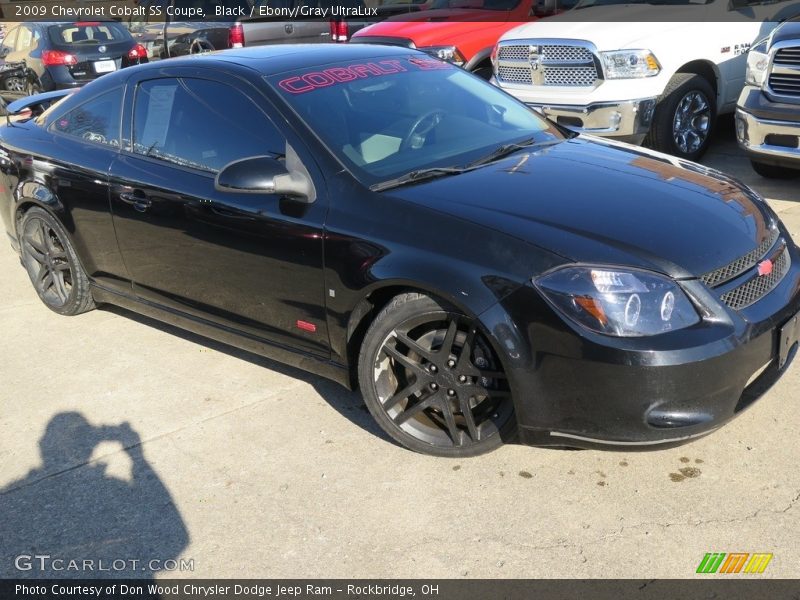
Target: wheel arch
{"type": "Point", "coordinates": [374, 299]}
{"type": "Point", "coordinates": [708, 71]}
{"type": "Point", "coordinates": [29, 194]}
{"type": "Point", "coordinates": [479, 59]}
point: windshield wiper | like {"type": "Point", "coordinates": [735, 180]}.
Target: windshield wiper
{"type": "Point", "coordinates": [507, 149]}
{"type": "Point", "coordinates": [415, 176]}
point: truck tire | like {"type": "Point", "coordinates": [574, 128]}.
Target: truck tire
{"type": "Point", "coordinates": [684, 118]}
{"type": "Point", "coordinates": [773, 171]}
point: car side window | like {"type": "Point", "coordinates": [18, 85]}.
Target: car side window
{"type": "Point", "coordinates": [200, 124]}
{"type": "Point", "coordinates": [96, 120]}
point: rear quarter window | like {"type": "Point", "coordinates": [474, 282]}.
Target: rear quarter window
{"type": "Point", "coordinates": [96, 121]}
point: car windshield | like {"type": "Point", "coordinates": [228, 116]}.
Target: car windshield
{"type": "Point", "coordinates": [88, 33]}
{"type": "Point", "coordinates": [386, 117]}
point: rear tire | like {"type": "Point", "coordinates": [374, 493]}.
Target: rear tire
{"type": "Point", "coordinates": [432, 380]}
{"type": "Point", "coordinates": [773, 171]}
{"type": "Point", "coordinates": [52, 264]}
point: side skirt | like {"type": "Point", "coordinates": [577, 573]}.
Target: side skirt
{"type": "Point", "coordinates": [324, 368]}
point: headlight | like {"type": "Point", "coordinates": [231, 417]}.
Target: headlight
{"type": "Point", "coordinates": [448, 53]}
{"type": "Point", "coordinates": [757, 63]}
{"type": "Point", "coordinates": [630, 64]}
{"type": "Point", "coordinates": [624, 303]}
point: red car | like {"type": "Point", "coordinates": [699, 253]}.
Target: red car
{"type": "Point", "coordinates": [463, 32]}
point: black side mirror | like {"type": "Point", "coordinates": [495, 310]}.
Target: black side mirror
{"type": "Point", "coordinates": [264, 175]}
{"type": "Point", "coordinates": [4, 51]}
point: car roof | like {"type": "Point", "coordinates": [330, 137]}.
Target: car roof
{"type": "Point", "coordinates": [271, 60]}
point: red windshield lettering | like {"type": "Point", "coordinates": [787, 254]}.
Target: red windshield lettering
{"type": "Point", "coordinates": [341, 74]}
{"type": "Point", "coordinates": [318, 80]}
{"type": "Point", "coordinates": [365, 70]}
{"type": "Point", "coordinates": [395, 65]}
{"type": "Point", "coordinates": [290, 85]}
{"type": "Point", "coordinates": [321, 79]}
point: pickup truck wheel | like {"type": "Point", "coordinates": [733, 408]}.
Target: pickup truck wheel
{"type": "Point", "coordinates": [773, 171]}
{"type": "Point", "coordinates": [684, 117]}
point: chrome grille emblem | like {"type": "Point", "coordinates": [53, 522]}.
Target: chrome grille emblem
{"type": "Point", "coordinates": [535, 61]}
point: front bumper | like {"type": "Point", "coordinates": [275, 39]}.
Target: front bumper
{"type": "Point", "coordinates": [628, 120]}
{"type": "Point", "coordinates": [768, 131]}
{"type": "Point", "coordinates": [576, 388]}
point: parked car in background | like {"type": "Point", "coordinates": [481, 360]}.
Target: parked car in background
{"type": "Point", "coordinates": [460, 32]}
{"type": "Point", "coordinates": [768, 112]}
{"type": "Point", "coordinates": [661, 81]}
{"type": "Point", "coordinates": [261, 29]}
{"type": "Point", "coordinates": [66, 55]}
{"type": "Point", "coordinates": [392, 222]}
{"type": "Point", "coordinates": [168, 40]}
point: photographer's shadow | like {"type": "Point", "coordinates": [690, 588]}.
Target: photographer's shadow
{"type": "Point", "coordinates": [112, 510]}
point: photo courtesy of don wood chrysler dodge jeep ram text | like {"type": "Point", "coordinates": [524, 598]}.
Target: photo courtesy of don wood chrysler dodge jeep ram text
{"type": "Point", "coordinates": [394, 223]}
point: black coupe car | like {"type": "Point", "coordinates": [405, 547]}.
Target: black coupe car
{"type": "Point", "coordinates": [393, 223]}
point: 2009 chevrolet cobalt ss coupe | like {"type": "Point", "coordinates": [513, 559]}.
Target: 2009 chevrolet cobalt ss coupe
{"type": "Point", "coordinates": [392, 222]}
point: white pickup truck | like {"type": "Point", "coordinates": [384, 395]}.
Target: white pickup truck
{"type": "Point", "coordinates": [654, 71]}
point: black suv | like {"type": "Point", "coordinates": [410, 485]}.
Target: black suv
{"type": "Point", "coordinates": [66, 55]}
{"type": "Point", "coordinates": [768, 113]}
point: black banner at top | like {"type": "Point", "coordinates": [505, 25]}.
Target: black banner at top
{"type": "Point", "coordinates": [360, 12]}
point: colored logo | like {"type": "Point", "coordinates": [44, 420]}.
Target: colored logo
{"type": "Point", "coordinates": [734, 562]}
{"type": "Point", "coordinates": [764, 268]}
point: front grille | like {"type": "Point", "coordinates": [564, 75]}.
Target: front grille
{"type": "Point", "coordinates": [740, 265]}
{"type": "Point", "coordinates": [513, 52]}
{"type": "Point", "coordinates": [566, 54]}
{"type": "Point", "coordinates": [788, 56]}
{"type": "Point", "coordinates": [784, 78]}
{"type": "Point", "coordinates": [547, 65]}
{"type": "Point", "coordinates": [786, 85]}
{"type": "Point", "coordinates": [756, 288]}
{"type": "Point", "coordinates": [514, 74]}
{"type": "Point", "coordinates": [577, 76]}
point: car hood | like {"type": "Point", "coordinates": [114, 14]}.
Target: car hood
{"type": "Point", "coordinates": [440, 16]}
{"type": "Point", "coordinates": [603, 202]}
{"type": "Point", "coordinates": [615, 29]}
{"type": "Point", "coordinates": [425, 33]}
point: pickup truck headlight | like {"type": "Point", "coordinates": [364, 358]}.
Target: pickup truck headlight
{"type": "Point", "coordinates": [757, 64]}
{"type": "Point", "coordinates": [618, 302]}
{"type": "Point", "coordinates": [630, 64]}
{"type": "Point", "coordinates": [448, 53]}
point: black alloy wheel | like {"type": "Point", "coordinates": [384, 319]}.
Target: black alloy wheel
{"type": "Point", "coordinates": [432, 381]}
{"type": "Point", "coordinates": [52, 264]}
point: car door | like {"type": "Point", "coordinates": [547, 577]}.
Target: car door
{"type": "Point", "coordinates": [72, 172]}
{"type": "Point", "coordinates": [248, 262]}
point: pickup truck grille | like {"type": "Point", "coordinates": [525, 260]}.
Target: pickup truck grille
{"type": "Point", "coordinates": [784, 79]}
{"type": "Point", "coordinates": [546, 64]}
{"type": "Point", "coordinates": [788, 56]}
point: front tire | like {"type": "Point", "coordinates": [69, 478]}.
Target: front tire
{"type": "Point", "coordinates": [52, 264]}
{"type": "Point", "coordinates": [684, 118]}
{"type": "Point", "coordinates": [432, 381]}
